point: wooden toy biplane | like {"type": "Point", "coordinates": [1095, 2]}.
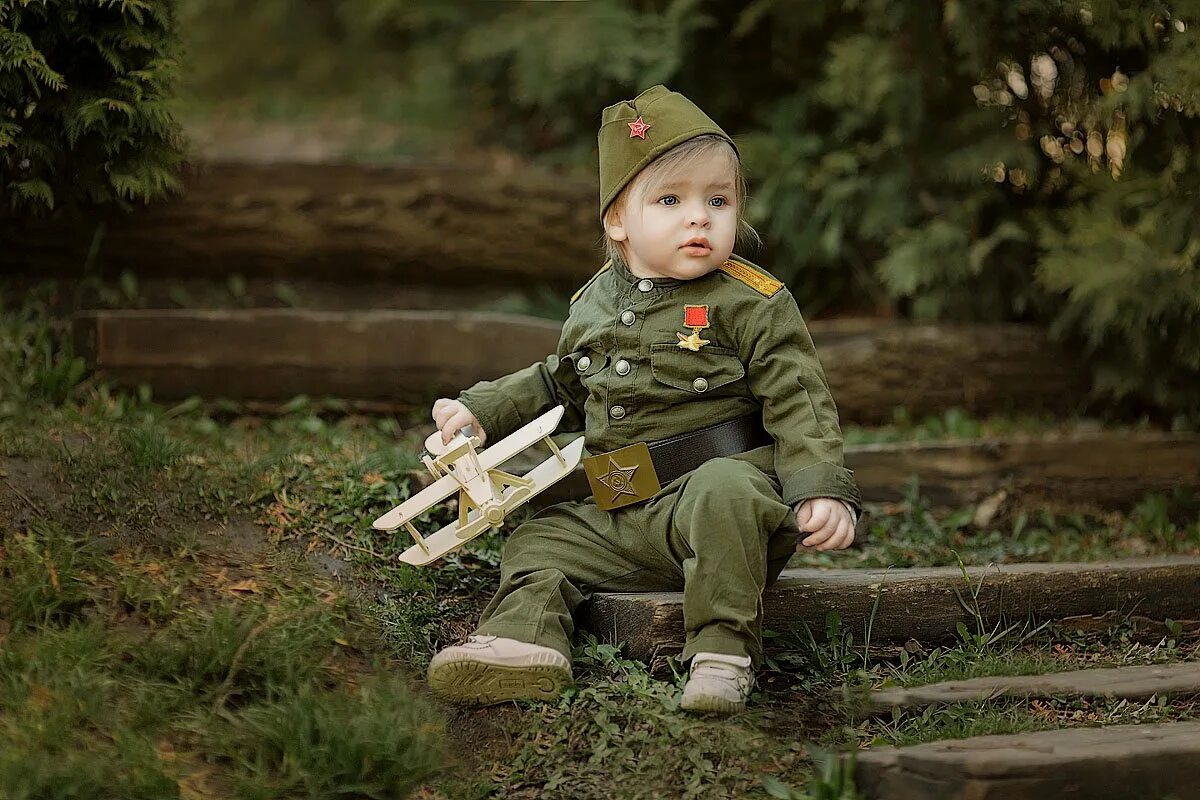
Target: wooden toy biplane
{"type": "Point", "coordinates": [486, 494]}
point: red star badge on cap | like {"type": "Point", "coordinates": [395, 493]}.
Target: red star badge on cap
{"type": "Point", "coordinates": [638, 128]}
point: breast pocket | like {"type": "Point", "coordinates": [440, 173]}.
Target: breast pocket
{"type": "Point", "coordinates": [698, 372]}
{"type": "Point", "coordinates": [586, 361]}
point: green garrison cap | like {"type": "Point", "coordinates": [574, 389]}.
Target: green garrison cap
{"type": "Point", "coordinates": [635, 132]}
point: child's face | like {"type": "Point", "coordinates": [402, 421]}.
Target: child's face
{"type": "Point", "coordinates": [660, 224]}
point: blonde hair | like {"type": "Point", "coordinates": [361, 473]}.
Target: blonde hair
{"type": "Point", "coordinates": [675, 162]}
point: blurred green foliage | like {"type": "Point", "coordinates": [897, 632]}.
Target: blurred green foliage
{"type": "Point", "coordinates": [84, 91]}
{"type": "Point", "coordinates": [953, 159]}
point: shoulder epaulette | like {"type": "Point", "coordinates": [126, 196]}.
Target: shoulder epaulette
{"type": "Point", "coordinates": [591, 280]}
{"type": "Point", "coordinates": [759, 281]}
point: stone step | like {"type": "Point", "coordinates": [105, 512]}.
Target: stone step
{"type": "Point", "coordinates": [1124, 761]}
{"type": "Point", "coordinates": [925, 604]}
{"type": "Point", "coordinates": [1131, 683]}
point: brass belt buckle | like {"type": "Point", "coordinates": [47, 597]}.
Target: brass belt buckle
{"type": "Point", "coordinates": [622, 477]}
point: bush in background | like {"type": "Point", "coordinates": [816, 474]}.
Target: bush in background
{"type": "Point", "coordinates": [84, 88]}
{"type": "Point", "coordinates": [971, 160]}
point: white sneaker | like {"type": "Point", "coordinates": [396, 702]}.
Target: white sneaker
{"type": "Point", "coordinates": [492, 669]}
{"type": "Point", "coordinates": [718, 682]}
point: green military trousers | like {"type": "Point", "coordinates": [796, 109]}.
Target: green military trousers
{"type": "Point", "coordinates": [720, 533]}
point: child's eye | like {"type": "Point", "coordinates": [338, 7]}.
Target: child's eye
{"type": "Point", "coordinates": [672, 198]}
{"type": "Point", "coordinates": [717, 202]}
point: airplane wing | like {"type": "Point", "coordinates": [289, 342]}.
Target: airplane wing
{"type": "Point", "coordinates": [520, 439]}
{"type": "Point", "coordinates": [543, 476]}
{"type": "Point", "coordinates": [516, 442]}
{"type": "Point", "coordinates": [420, 502]}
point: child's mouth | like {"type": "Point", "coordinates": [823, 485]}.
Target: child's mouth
{"type": "Point", "coordinates": [697, 247]}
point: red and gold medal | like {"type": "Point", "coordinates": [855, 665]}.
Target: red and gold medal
{"type": "Point", "coordinates": [696, 318]}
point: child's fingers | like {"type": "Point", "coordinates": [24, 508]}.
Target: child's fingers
{"type": "Point", "coordinates": [831, 540]}
{"type": "Point", "coordinates": [820, 535]}
{"type": "Point", "coordinates": [803, 514]}
{"type": "Point", "coordinates": [820, 517]}
{"type": "Point", "coordinates": [442, 410]}
{"type": "Point", "coordinates": [839, 539]}
{"type": "Point", "coordinates": [456, 423]}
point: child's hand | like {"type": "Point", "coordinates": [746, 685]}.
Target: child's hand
{"type": "Point", "coordinates": [828, 520]}
{"type": "Point", "coordinates": [452, 416]}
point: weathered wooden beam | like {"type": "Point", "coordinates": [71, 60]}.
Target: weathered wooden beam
{"type": "Point", "coordinates": [279, 353]}
{"type": "Point", "coordinates": [1149, 761]}
{"type": "Point", "coordinates": [1103, 469]}
{"type": "Point", "coordinates": [417, 223]}
{"type": "Point", "coordinates": [1108, 469]}
{"type": "Point", "coordinates": [407, 356]}
{"type": "Point", "coordinates": [872, 366]}
{"type": "Point", "coordinates": [1131, 683]}
{"type": "Point", "coordinates": [925, 604]}
{"type": "Point", "coordinates": [875, 366]}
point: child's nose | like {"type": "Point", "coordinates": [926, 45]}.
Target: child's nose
{"type": "Point", "coordinates": [698, 214]}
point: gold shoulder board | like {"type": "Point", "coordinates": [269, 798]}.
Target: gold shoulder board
{"type": "Point", "coordinates": [591, 280]}
{"type": "Point", "coordinates": [763, 284]}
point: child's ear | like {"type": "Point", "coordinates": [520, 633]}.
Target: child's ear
{"type": "Point", "coordinates": [613, 226]}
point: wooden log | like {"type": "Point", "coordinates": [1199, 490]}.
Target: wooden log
{"type": "Point", "coordinates": [1131, 683]}
{"type": "Point", "coordinates": [1142, 630]}
{"type": "Point", "coordinates": [1122, 761]}
{"type": "Point", "coordinates": [418, 223]}
{"type": "Point", "coordinates": [925, 604]}
{"type": "Point", "coordinates": [1101, 470]}
{"type": "Point", "coordinates": [1106, 469]}
{"type": "Point", "coordinates": [875, 366]}
{"type": "Point", "coordinates": [411, 356]}
{"type": "Point", "coordinates": [862, 358]}
{"type": "Point", "coordinates": [270, 353]}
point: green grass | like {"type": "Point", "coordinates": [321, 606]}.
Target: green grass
{"type": "Point", "coordinates": [138, 656]}
{"type": "Point", "coordinates": [98, 683]}
{"type": "Point", "coordinates": [963, 720]}
{"type": "Point", "coordinates": [620, 729]}
{"type": "Point", "coordinates": [958, 424]}
{"type": "Point", "coordinates": [913, 533]}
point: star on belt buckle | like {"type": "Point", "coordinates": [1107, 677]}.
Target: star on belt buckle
{"type": "Point", "coordinates": [622, 477]}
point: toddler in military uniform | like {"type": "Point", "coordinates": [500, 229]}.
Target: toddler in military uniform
{"type": "Point", "coordinates": [716, 444]}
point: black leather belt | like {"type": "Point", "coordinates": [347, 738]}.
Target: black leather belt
{"type": "Point", "coordinates": [683, 453]}
{"type": "Point", "coordinates": [615, 481]}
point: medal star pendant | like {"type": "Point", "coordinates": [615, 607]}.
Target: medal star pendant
{"type": "Point", "coordinates": [692, 342]}
{"type": "Point", "coordinates": [619, 478]}
{"type": "Point", "coordinates": [696, 318]}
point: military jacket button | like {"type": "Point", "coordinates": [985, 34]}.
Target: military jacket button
{"type": "Point", "coordinates": [622, 367]}
{"type": "Point", "coordinates": [583, 363]}
{"type": "Point", "coordinates": [628, 317]}
{"type": "Point", "coordinates": [616, 412]}
{"type": "Point", "coordinates": [645, 285]}
{"type": "Point", "coordinates": [700, 385]}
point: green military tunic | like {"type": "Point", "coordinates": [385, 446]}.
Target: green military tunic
{"type": "Point", "coordinates": [719, 533]}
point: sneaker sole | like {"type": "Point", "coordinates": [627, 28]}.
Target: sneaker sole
{"type": "Point", "coordinates": [479, 683]}
{"type": "Point", "coordinates": [708, 703]}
